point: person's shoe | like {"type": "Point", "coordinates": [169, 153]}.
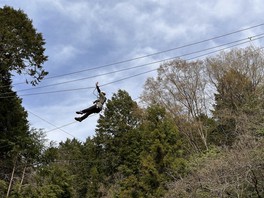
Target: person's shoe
{"type": "Point", "coordinates": [78, 119]}
{"type": "Point", "coordinates": [79, 112]}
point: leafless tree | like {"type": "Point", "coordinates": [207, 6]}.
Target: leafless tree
{"type": "Point", "coordinates": [181, 87]}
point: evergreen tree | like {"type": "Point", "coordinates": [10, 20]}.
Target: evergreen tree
{"type": "Point", "coordinates": [162, 157]}
{"type": "Point", "coordinates": [91, 177]}
{"type": "Point", "coordinates": [70, 156]}
{"type": "Point", "coordinates": [21, 51]}
{"type": "Point", "coordinates": [21, 47]}
{"type": "Point", "coordinates": [117, 142]}
{"type": "Point", "coordinates": [14, 130]}
{"type": "Point", "coordinates": [235, 91]}
{"type": "Point", "coordinates": [237, 75]}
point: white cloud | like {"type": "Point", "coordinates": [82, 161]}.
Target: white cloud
{"type": "Point", "coordinates": [63, 54]}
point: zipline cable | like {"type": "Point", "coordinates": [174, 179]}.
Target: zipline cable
{"type": "Point", "coordinates": [57, 128]}
{"type": "Point", "coordinates": [53, 124]}
{"type": "Point", "coordinates": [94, 114]}
{"type": "Point", "coordinates": [65, 125]}
{"type": "Point", "coordinates": [134, 67]}
{"type": "Point", "coordinates": [75, 89]}
{"type": "Point", "coordinates": [153, 54]}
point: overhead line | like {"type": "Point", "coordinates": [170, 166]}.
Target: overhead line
{"type": "Point", "coordinates": [65, 125]}
{"type": "Point", "coordinates": [40, 93]}
{"type": "Point", "coordinates": [110, 83]}
{"type": "Point", "coordinates": [157, 68]}
{"type": "Point", "coordinates": [156, 53]}
{"type": "Point", "coordinates": [53, 124]}
{"type": "Point", "coordinates": [153, 54]}
{"type": "Point", "coordinates": [61, 127]}
{"type": "Point", "coordinates": [142, 65]}
{"type": "Point", "coordinates": [57, 128]}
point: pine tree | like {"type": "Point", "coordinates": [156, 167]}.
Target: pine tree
{"type": "Point", "coordinates": [118, 121]}
{"type": "Point", "coordinates": [21, 52]}
{"type": "Point", "coordinates": [235, 92]}
{"type": "Point", "coordinates": [14, 129]}
{"type": "Point", "coordinates": [21, 46]}
{"type": "Point", "coordinates": [162, 157]}
{"type": "Point", "coordinates": [117, 141]}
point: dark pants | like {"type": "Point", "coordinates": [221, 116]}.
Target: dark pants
{"type": "Point", "coordinates": [89, 111]}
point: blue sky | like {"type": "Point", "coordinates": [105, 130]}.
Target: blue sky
{"type": "Point", "coordinates": [83, 34]}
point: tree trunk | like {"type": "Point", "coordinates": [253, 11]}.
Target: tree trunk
{"type": "Point", "coordinates": [22, 179]}
{"type": "Point", "coordinates": [11, 180]}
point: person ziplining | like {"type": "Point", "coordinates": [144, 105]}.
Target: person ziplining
{"type": "Point", "coordinates": [96, 108]}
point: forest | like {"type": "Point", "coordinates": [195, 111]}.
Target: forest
{"type": "Point", "coordinates": [196, 132]}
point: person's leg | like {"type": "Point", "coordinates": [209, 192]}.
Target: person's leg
{"type": "Point", "coordinates": [87, 112]}
{"type": "Point", "coordinates": [83, 117]}
{"type": "Point", "coordinates": [89, 109]}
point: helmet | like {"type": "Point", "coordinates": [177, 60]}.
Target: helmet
{"type": "Point", "coordinates": [103, 92]}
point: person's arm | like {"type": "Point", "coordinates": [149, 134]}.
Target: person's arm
{"type": "Point", "coordinates": [97, 87]}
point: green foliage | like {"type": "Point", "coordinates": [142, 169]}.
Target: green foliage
{"type": "Point", "coordinates": [162, 156]}
{"type": "Point", "coordinates": [21, 47]}
{"type": "Point", "coordinates": [197, 161]}
{"type": "Point", "coordinates": [234, 89]}
{"type": "Point", "coordinates": [51, 181]}
{"type": "Point", "coordinates": [260, 132]}
{"type": "Point", "coordinates": [114, 134]}
{"type": "Point", "coordinates": [143, 152]}
{"type": "Point", "coordinates": [14, 130]}
{"type": "Point", "coordinates": [3, 187]}
{"type": "Point", "coordinates": [130, 187]}
{"type": "Point", "coordinates": [132, 155]}
{"type": "Point", "coordinates": [236, 108]}
{"type": "Point", "coordinates": [221, 172]}
{"type": "Point", "coordinates": [21, 51]}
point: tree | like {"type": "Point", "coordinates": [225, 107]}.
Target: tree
{"type": "Point", "coordinates": [21, 47]}
{"type": "Point", "coordinates": [162, 155]}
{"type": "Point", "coordinates": [119, 119]}
{"type": "Point", "coordinates": [154, 157]}
{"type": "Point", "coordinates": [117, 141]}
{"type": "Point", "coordinates": [234, 92]}
{"type": "Point", "coordinates": [181, 87]}
{"type": "Point", "coordinates": [235, 172]}
{"type": "Point", "coordinates": [14, 130]}
{"type": "Point", "coordinates": [238, 80]}
{"type": "Point", "coordinates": [71, 157]}
{"type": "Point", "coordinates": [21, 51]}
{"type": "Point", "coordinates": [247, 61]}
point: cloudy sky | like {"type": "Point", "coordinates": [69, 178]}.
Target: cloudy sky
{"type": "Point", "coordinates": [114, 41]}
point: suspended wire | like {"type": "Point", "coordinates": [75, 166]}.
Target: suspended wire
{"type": "Point", "coordinates": [66, 125]}
{"type": "Point", "coordinates": [57, 128]}
{"type": "Point", "coordinates": [159, 61]}
{"type": "Point", "coordinates": [53, 124]}
{"type": "Point", "coordinates": [134, 67]}
{"type": "Point", "coordinates": [61, 126]}
{"type": "Point", "coordinates": [152, 70]}
{"type": "Point", "coordinates": [153, 54]}
{"type": "Point", "coordinates": [124, 61]}
{"type": "Point", "coordinates": [94, 114]}
{"type": "Point", "coordinates": [76, 89]}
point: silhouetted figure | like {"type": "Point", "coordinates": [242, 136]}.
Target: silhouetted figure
{"type": "Point", "coordinates": [96, 108]}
